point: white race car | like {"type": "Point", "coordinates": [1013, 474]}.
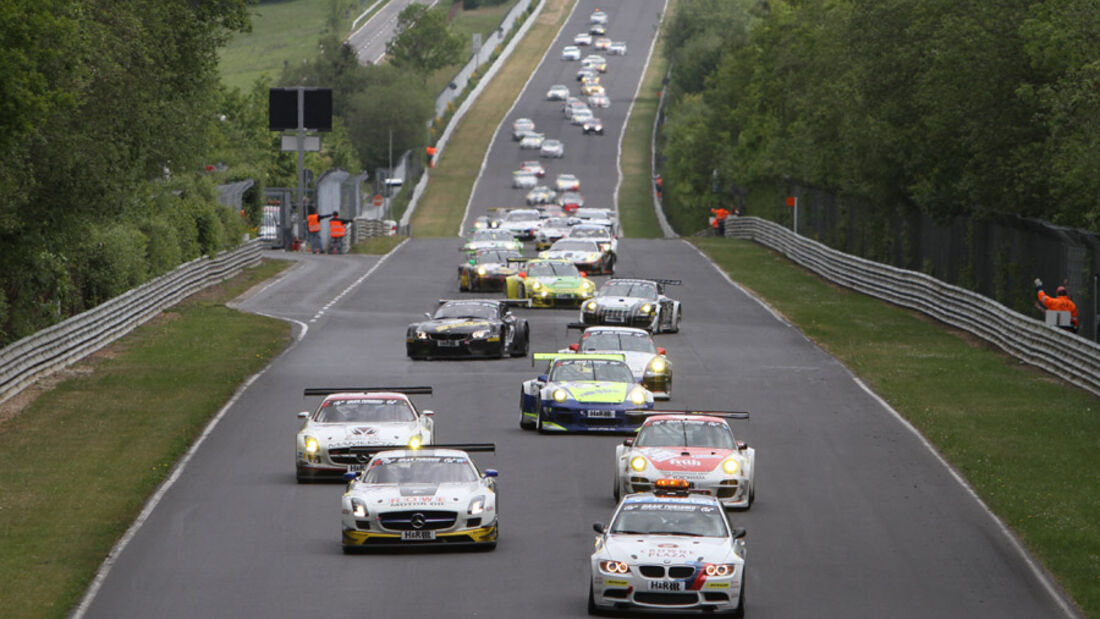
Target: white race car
{"type": "Point", "coordinates": [421, 496]}
{"type": "Point", "coordinates": [697, 447]}
{"type": "Point", "coordinates": [668, 551]}
{"type": "Point", "coordinates": [635, 302]}
{"type": "Point", "coordinates": [647, 361]}
{"type": "Point", "coordinates": [353, 424]}
{"type": "Point", "coordinates": [552, 229]}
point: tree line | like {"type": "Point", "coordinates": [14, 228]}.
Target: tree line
{"type": "Point", "coordinates": [115, 130]}
{"type": "Point", "coordinates": [959, 108]}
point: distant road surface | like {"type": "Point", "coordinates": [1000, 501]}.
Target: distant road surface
{"type": "Point", "coordinates": [369, 41]}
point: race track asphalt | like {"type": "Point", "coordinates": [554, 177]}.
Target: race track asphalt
{"type": "Point", "coordinates": [854, 517]}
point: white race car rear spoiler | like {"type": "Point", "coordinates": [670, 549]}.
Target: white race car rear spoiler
{"type": "Point", "coordinates": [722, 414]}
{"type": "Point", "coordinates": [313, 391]}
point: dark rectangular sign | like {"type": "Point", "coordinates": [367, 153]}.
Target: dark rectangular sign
{"type": "Point", "coordinates": [283, 109]}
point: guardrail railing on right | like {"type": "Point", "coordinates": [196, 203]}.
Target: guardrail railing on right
{"type": "Point", "coordinates": [1057, 351]}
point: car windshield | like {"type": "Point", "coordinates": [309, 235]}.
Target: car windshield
{"type": "Point", "coordinates": [496, 257]}
{"type": "Point", "coordinates": [555, 222]}
{"type": "Point", "coordinates": [591, 369]}
{"type": "Point", "coordinates": [618, 340]}
{"type": "Point", "coordinates": [522, 216]}
{"type": "Point", "coordinates": [686, 433]}
{"type": "Point", "coordinates": [420, 469]}
{"type": "Point", "coordinates": [552, 269]}
{"type": "Point", "coordinates": [364, 410]}
{"type": "Point", "coordinates": [551, 144]}
{"type": "Point", "coordinates": [467, 309]}
{"type": "Point", "coordinates": [523, 124]}
{"type": "Point", "coordinates": [568, 245]}
{"type": "Point", "coordinates": [670, 518]}
{"type": "Point", "coordinates": [590, 233]}
{"type": "Point", "coordinates": [640, 290]}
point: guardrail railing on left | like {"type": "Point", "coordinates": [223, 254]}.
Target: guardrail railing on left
{"type": "Point", "coordinates": [1074, 359]}
{"type": "Point", "coordinates": [49, 350]}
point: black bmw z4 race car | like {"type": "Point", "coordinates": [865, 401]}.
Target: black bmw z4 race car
{"type": "Point", "coordinates": [470, 328]}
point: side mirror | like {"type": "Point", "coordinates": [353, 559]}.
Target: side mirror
{"type": "Point", "coordinates": [543, 378]}
{"type": "Point", "coordinates": [428, 413]}
{"type": "Point", "coordinates": [427, 315]}
{"type": "Point", "coordinates": [573, 347]}
{"type": "Point", "coordinates": [350, 475]}
{"type": "Point", "coordinates": [741, 445]}
{"type": "Point", "coordinates": [661, 350]}
{"type": "Point", "coordinates": [491, 473]}
{"type": "Point", "coordinates": [303, 414]}
{"type": "Point", "coordinates": [599, 528]}
{"type": "Point", "coordinates": [738, 533]}
{"type": "Point", "coordinates": [629, 442]}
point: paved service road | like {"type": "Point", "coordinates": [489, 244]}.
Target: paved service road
{"type": "Point", "coordinates": [854, 516]}
{"type": "Point", "coordinates": [369, 41]}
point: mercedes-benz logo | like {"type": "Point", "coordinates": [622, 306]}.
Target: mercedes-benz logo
{"type": "Point", "coordinates": [417, 521]}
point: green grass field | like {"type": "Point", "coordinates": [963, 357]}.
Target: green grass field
{"type": "Point", "coordinates": [465, 24]}
{"type": "Point", "coordinates": [440, 210]}
{"type": "Point", "coordinates": [124, 418]}
{"type": "Point", "coordinates": [1029, 444]}
{"type": "Point", "coordinates": [283, 32]}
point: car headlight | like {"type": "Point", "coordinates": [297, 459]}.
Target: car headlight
{"type": "Point", "coordinates": [535, 285]}
{"type": "Point", "coordinates": [638, 463]}
{"type": "Point", "coordinates": [637, 396]}
{"type": "Point", "coordinates": [658, 365]}
{"type": "Point", "coordinates": [312, 445]}
{"type": "Point", "coordinates": [421, 335]}
{"type": "Point", "coordinates": [605, 246]}
{"type": "Point", "coordinates": [592, 257]}
{"type": "Point", "coordinates": [646, 308]}
{"type": "Point", "coordinates": [614, 567]}
{"type": "Point", "coordinates": [358, 508]}
{"type": "Point", "coordinates": [731, 466]}
{"type": "Point", "coordinates": [481, 271]}
{"type": "Point", "coordinates": [479, 334]}
{"type": "Point", "coordinates": [415, 441]}
{"type": "Point", "coordinates": [719, 569]}
{"type": "Point", "coordinates": [589, 285]}
{"type": "Point", "coordinates": [560, 395]}
{"type": "Point", "coordinates": [477, 505]}
{"type": "Point", "coordinates": [590, 306]}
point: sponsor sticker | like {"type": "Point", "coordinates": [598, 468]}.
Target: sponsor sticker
{"type": "Point", "coordinates": [716, 585]}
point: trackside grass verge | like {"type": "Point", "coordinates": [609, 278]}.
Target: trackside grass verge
{"type": "Point", "coordinates": [78, 463]}
{"type": "Point", "coordinates": [1025, 441]}
{"type": "Point", "coordinates": [636, 213]}
{"type": "Point", "coordinates": [440, 210]}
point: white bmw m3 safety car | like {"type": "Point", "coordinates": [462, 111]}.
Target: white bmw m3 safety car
{"type": "Point", "coordinates": [433, 495]}
{"type": "Point", "coordinates": [668, 551]}
{"type": "Point", "coordinates": [352, 424]}
{"type": "Point", "coordinates": [697, 447]}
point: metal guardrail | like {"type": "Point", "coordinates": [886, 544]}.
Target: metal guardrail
{"type": "Point", "coordinates": [1072, 358]}
{"type": "Point", "coordinates": [51, 349]}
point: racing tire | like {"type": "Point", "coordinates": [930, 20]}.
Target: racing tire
{"type": "Point", "coordinates": [522, 352]}
{"type": "Point", "coordinates": [592, 610]}
{"type": "Point", "coordinates": [616, 490]}
{"type": "Point", "coordinates": [611, 265]}
{"type": "Point", "coordinates": [538, 420]}
{"type": "Point", "coordinates": [463, 284]}
{"type": "Point", "coordinates": [521, 291]}
{"type": "Point", "coordinates": [523, 423]}
{"type": "Point", "coordinates": [740, 612]}
{"type": "Point", "coordinates": [675, 326]}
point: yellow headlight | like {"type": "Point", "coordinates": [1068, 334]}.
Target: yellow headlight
{"type": "Point", "coordinates": [481, 271]}
{"type": "Point", "coordinates": [638, 463]}
{"type": "Point", "coordinates": [591, 306]}
{"type": "Point", "coordinates": [561, 395]}
{"type": "Point", "coordinates": [311, 445]}
{"type": "Point", "coordinates": [646, 308]}
{"type": "Point", "coordinates": [658, 364]}
{"type": "Point", "coordinates": [637, 397]}
{"type": "Point", "coordinates": [535, 285]}
{"type": "Point", "coordinates": [731, 466]}
{"type": "Point", "coordinates": [415, 442]}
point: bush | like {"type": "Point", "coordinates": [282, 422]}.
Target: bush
{"type": "Point", "coordinates": [162, 248]}
{"type": "Point", "coordinates": [113, 260]}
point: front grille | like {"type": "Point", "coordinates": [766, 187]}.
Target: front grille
{"type": "Point", "coordinates": [614, 315]}
{"type": "Point", "coordinates": [681, 571]}
{"type": "Point", "coordinates": [403, 521]}
{"type": "Point", "coordinates": [352, 455]}
{"type": "Point", "coordinates": [728, 488]}
{"type": "Point", "coordinates": [362, 524]}
{"type": "Point", "coordinates": [473, 522]}
{"type": "Point", "coordinates": [666, 599]}
{"type": "Point", "coordinates": [716, 596]}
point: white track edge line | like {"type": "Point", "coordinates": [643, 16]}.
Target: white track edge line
{"type": "Point", "coordinates": [1037, 570]}
{"type": "Point", "coordinates": [630, 110]}
{"type": "Point", "coordinates": [177, 470]}
{"type": "Point", "coordinates": [488, 151]}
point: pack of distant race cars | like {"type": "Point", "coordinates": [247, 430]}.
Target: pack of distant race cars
{"type": "Point", "coordinates": [670, 545]}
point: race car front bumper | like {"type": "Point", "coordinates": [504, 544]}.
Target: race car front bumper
{"type": "Point", "coordinates": [473, 536]}
{"type": "Point", "coordinates": [491, 282]}
{"type": "Point", "coordinates": [432, 348]}
{"type": "Point", "coordinates": [547, 298]}
{"type": "Point", "coordinates": [588, 417]}
{"type": "Point", "coordinates": [617, 318]}
{"type": "Point", "coordinates": [675, 589]}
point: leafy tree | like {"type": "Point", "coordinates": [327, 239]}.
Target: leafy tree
{"type": "Point", "coordinates": [423, 41]}
{"type": "Point", "coordinates": [392, 102]}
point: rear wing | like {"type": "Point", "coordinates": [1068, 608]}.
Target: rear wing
{"type": "Point", "coordinates": [550, 357]}
{"type": "Point", "coordinates": [512, 302]}
{"type": "Point", "coordinates": [467, 447]}
{"type": "Point", "coordinates": [743, 415]}
{"type": "Point", "coordinates": [660, 282]}
{"type": "Point", "coordinates": [520, 259]}
{"type": "Point", "coordinates": [580, 326]}
{"type": "Point", "coordinates": [315, 391]}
